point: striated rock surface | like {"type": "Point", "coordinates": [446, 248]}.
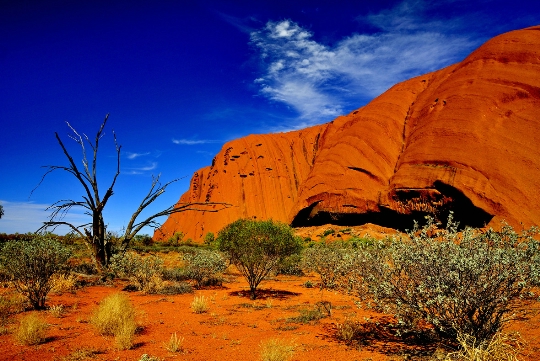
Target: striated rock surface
{"type": "Point", "coordinates": [259, 175]}
{"type": "Point", "coordinates": [465, 139]}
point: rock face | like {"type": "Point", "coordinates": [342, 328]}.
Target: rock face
{"type": "Point", "coordinates": [464, 139]}
{"type": "Point", "coordinates": [258, 175]}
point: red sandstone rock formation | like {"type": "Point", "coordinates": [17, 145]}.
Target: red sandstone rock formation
{"type": "Point", "coordinates": [465, 138]}
{"type": "Point", "coordinates": [258, 175]}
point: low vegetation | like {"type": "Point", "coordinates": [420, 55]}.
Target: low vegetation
{"type": "Point", "coordinates": [333, 262]}
{"type": "Point", "coordinates": [204, 267]}
{"type": "Point", "coordinates": [276, 349]}
{"type": "Point", "coordinates": [32, 330]}
{"type": "Point", "coordinates": [30, 265]}
{"type": "Point", "coordinates": [175, 344]}
{"type": "Point", "coordinates": [115, 316]}
{"type": "Point", "coordinates": [144, 273]}
{"type": "Point", "coordinates": [461, 283]}
{"type": "Point", "coordinates": [457, 288]}
{"type": "Point", "coordinates": [200, 304]}
{"type": "Point", "coordinates": [500, 347]}
{"type": "Point", "coordinates": [257, 248]}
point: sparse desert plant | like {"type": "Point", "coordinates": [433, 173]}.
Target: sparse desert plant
{"type": "Point", "coordinates": [203, 266]}
{"type": "Point", "coordinates": [30, 265]}
{"type": "Point", "coordinates": [177, 288]}
{"type": "Point", "coordinates": [200, 304]}
{"type": "Point", "coordinates": [347, 331]}
{"type": "Point", "coordinates": [175, 274]}
{"type": "Point", "coordinates": [144, 273]}
{"type": "Point", "coordinates": [175, 343]}
{"type": "Point", "coordinates": [146, 357]}
{"type": "Point", "coordinates": [257, 248]}
{"type": "Point", "coordinates": [115, 316]}
{"type": "Point", "coordinates": [327, 232]}
{"type": "Point", "coordinates": [209, 239]}
{"type": "Point", "coordinates": [500, 347]}
{"type": "Point", "coordinates": [81, 354]}
{"type": "Point", "coordinates": [333, 262]}
{"type": "Point", "coordinates": [32, 330]}
{"type": "Point", "coordinates": [307, 316]}
{"type": "Point", "coordinates": [467, 282]}
{"type": "Point", "coordinates": [10, 305]}
{"type": "Point", "coordinates": [63, 282]}
{"type": "Point", "coordinates": [291, 266]}
{"type": "Point", "coordinates": [276, 349]}
{"type": "Point", "coordinates": [57, 310]}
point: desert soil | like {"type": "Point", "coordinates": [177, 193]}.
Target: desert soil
{"type": "Point", "coordinates": [232, 329]}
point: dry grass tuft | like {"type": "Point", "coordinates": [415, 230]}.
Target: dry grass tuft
{"type": "Point", "coordinates": [81, 354]}
{"type": "Point", "coordinates": [57, 310]}
{"type": "Point", "coordinates": [10, 306]}
{"type": "Point", "coordinates": [63, 283]}
{"type": "Point", "coordinates": [501, 347]}
{"type": "Point", "coordinates": [276, 349]}
{"type": "Point", "coordinates": [175, 344]}
{"type": "Point", "coordinates": [154, 284]}
{"type": "Point", "coordinates": [200, 304]}
{"type": "Point", "coordinates": [32, 330]}
{"type": "Point", "coordinates": [115, 316]}
{"type": "Point", "coordinates": [347, 331]}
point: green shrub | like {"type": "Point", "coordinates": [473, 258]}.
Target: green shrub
{"type": "Point", "coordinates": [209, 239]}
{"type": "Point", "coordinates": [257, 247]}
{"type": "Point", "coordinates": [144, 273]}
{"type": "Point", "coordinates": [462, 283]}
{"type": "Point", "coordinates": [204, 266]}
{"type": "Point", "coordinates": [179, 288]}
{"type": "Point", "coordinates": [30, 265]}
{"type": "Point", "coordinates": [333, 262]}
{"type": "Point", "coordinates": [175, 239]}
{"type": "Point", "coordinates": [291, 266]}
{"type": "Point", "coordinates": [328, 232]}
{"type": "Point", "coordinates": [175, 274]}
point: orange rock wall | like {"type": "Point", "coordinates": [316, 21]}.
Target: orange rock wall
{"type": "Point", "coordinates": [258, 175]}
{"type": "Point", "coordinates": [465, 138]}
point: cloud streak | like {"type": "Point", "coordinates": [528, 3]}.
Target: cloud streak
{"type": "Point", "coordinates": [131, 155]}
{"type": "Point", "coordinates": [321, 82]}
{"type": "Point", "coordinates": [193, 142]}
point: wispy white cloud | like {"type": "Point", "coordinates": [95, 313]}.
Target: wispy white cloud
{"type": "Point", "coordinates": [321, 81]}
{"type": "Point", "coordinates": [242, 24]}
{"type": "Point", "coordinates": [24, 217]}
{"type": "Point", "coordinates": [193, 141]}
{"type": "Point", "coordinates": [142, 169]}
{"type": "Point", "coordinates": [131, 155]}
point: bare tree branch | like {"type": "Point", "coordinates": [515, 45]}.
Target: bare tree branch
{"type": "Point", "coordinates": [94, 233]}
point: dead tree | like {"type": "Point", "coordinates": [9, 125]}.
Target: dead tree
{"type": "Point", "coordinates": [94, 233]}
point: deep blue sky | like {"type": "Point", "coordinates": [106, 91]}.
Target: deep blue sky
{"type": "Point", "coordinates": [180, 78]}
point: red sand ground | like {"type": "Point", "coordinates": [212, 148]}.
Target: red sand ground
{"type": "Point", "coordinates": [232, 329]}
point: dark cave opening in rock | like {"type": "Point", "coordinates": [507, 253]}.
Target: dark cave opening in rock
{"type": "Point", "coordinates": [464, 212]}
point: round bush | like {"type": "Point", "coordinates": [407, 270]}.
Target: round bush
{"type": "Point", "coordinates": [257, 247]}
{"type": "Point", "coordinates": [31, 263]}
{"type": "Point", "coordinates": [203, 266]}
{"type": "Point", "coordinates": [462, 283]}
